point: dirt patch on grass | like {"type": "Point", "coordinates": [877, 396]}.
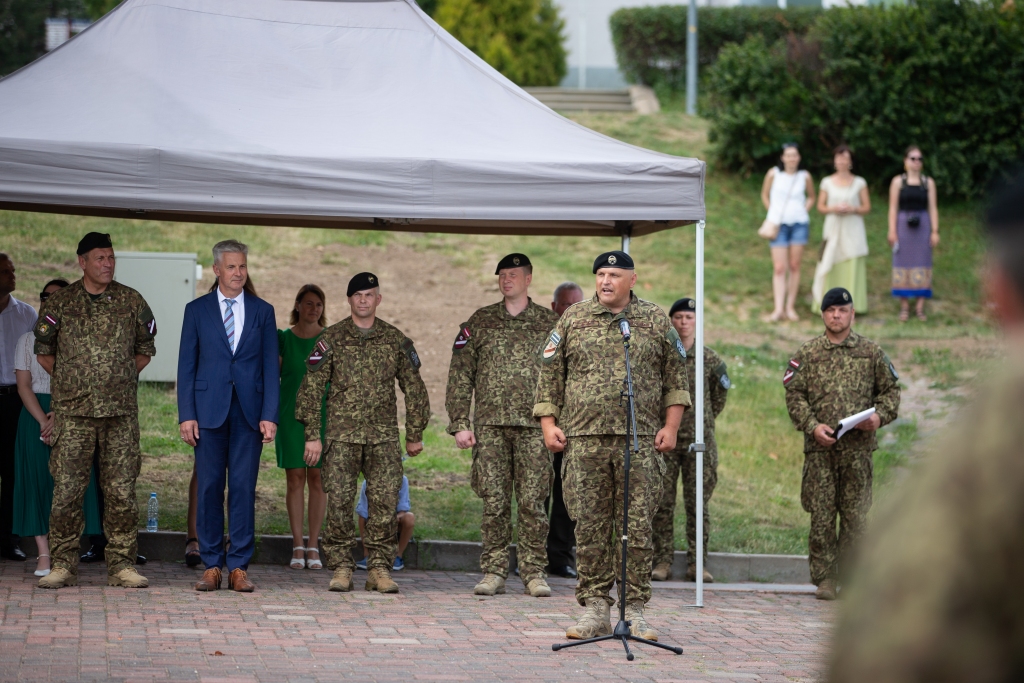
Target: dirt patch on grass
{"type": "Point", "coordinates": [437, 481]}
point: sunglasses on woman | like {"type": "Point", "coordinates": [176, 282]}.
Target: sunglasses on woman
{"type": "Point", "coordinates": [915, 158]}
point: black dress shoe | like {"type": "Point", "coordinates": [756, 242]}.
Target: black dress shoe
{"type": "Point", "coordinates": [140, 559]}
{"type": "Point", "coordinates": [565, 571]}
{"type": "Point", "coordinates": [95, 554]}
{"type": "Point", "coordinates": [13, 553]}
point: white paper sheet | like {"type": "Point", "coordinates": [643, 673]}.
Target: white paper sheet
{"type": "Point", "coordinates": [848, 423]}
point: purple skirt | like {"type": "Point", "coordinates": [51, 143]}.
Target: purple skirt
{"type": "Point", "coordinates": [912, 262]}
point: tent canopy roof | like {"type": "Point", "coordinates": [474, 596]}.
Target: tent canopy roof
{"type": "Point", "coordinates": [327, 113]}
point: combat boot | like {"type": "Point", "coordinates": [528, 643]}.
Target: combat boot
{"type": "Point", "coordinates": [129, 578]}
{"type": "Point", "coordinates": [58, 578]}
{"type": "Point", "coordinates": [341, 582]}
{"type": "Point", "coordinates": [826, 590]}
{"type": "Point", "coordinates": [379, 579]}
{"type": "Point", "coordinates": [638, 626]}
{"type": "Point", "coordinates": [491, 584]}
{"type": "Point", "coordinates": [538, 588]}
{"type": "Point", "coordinates": [691, 574]}
{"type": "Point", "coordinates": [662, 572]}
{"type": "Point", "coordinates": [596, 621]}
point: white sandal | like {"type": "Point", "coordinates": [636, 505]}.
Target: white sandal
{"type": "Point", "coordinates": [298, 562]}
{"type": "Point", "coordinates": [314, 564]}
{"type": "Point", "coordinates": [42, 572]}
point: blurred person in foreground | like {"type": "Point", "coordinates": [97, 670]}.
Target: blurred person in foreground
{"type": "Point", "coordinates": [936, 592]}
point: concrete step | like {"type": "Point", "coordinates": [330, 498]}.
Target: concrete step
{"type": "Point", "coordinates": [462, 556]}
{"type": "Point", "coordinates": [635, 98]}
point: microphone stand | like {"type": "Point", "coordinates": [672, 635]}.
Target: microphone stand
{"type": "Point", "coordinates": [621, 631]}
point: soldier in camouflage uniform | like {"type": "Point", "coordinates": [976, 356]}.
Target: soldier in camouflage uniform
{"type": "Point", "coordinates": [716, 385]}
{"type": "Point", "coordinates": [94, 337]}
{"type": "Point", "coordinates": [935, 596]}
{"type": "Point", "coordinates": [361, 357]}
{"type": "Point", "coordinates": [496, 357]}
{"type": "Point", "coordinates": [578, 404]}
{"type": "Point", "coordinates": [832, 377]}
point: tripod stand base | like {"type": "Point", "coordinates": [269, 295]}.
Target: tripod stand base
{"type": "Point", "coordinates": [622, 633]}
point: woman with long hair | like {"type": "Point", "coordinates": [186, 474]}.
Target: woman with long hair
{"type": "Point", "coordinates": [295, 345]}
{"type": "Point", "coordinates": [913, 233]}
{"type": "Point", "coordinates": [788, 194]}
{"type": "Point", "coordinates": [844, 200]}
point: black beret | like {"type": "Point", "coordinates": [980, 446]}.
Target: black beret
{"type": "Point", "coordinates": [94, 240]}
{"type": "Point", "coordinates": [613, 259]}
{"type": "Point", "coordinates": [362, 281]}
{"type": "Point", "coordinates": [513, 261]}
{"type": "Point", "coordinates": [684, 304]}
{"type": "Point", "coordinates": [837, 296]}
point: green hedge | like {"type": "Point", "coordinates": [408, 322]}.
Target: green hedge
{"type": "Point", "coordinates": [940, 74]}
{"type": "Point", "coordinates": [650, 42]}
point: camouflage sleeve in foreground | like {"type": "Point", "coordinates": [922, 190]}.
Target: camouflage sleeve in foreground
{"type": "Point", "coordinates": [417, 402]}
{"type": "Point", "coordinates": [797, 403]}
{"type": "Point", "coordinates": [309, 400]}
{"type": "Point", "coordinates": [887, 388]}
{"type": "Point", "coordinates": [47, 329]}
{"type": "Point", "coordinates": [549, 398]}
{"type": "Point", "coordinates": [674, 382]}
{"type": "Point", "coordinates": [461, 379]}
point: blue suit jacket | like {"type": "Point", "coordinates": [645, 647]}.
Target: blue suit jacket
{"type": "Point", "coordinates": [207, 371]}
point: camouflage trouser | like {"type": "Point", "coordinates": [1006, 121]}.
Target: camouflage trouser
{"type": "Point", "coordinates": [75, 440]}
{"type": "Point", "coordinates": [835, 482]}
{"type": "Point", "coordinates": [505, 458]}
{"type": "Point", "coordinates": [381, 465]}
{"type": "Point", "coordinates": [592, 472]}
{"type": "Point", "coordinates": [664, 534]}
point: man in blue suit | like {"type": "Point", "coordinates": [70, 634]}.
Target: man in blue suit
{"type": "Point", "coordinates": [228, 388]}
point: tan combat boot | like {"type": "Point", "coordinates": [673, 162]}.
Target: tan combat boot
{"type": "Point", "coordinates": [129, 578]}
{"type": "Point", "coordinates": [596, 621]}
{"type": "Point", "coordinates": [341, 582]}
{"type": "Point", "coordinates": [379, 579]}
{"type": "Point", "coordinates": [826, 590]}
{"type": "Point", "coordinates": [491, 584]}
{"type": "Point", "coordinates": [691, 574]}
{"type": "Point", "coordinates": [58, 578]}
{"type": "Point", "coordinates": [638, 626]}
{"type": "Point", "coordinates": [662, 572]}
{"type": "Point", "coordinates": [538, 588]}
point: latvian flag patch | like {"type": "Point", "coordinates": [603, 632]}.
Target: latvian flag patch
{"type": "Point", "coordinates": [462, 339]}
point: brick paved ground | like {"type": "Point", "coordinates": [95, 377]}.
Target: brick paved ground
{"type": "Point", "coordinates": [293, 629]}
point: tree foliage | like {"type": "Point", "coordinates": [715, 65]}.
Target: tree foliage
{"type": "Point", "coordinates": [520, 38]}
{"type": "Point", "coordinates": [945, 75]}
{"type": "Point", "coordinates": [23, 29]}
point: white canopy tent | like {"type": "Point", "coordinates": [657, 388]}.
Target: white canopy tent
{"type": "Point", "coordinates": [360, 114]}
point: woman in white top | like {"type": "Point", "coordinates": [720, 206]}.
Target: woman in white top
{"type": "Point", "coordinates": [844, 200]}
{"type": "Point", "coordinates": [788, 194]}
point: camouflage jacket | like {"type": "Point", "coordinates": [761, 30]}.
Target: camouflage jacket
{"type": "Point", "coordinates": [826, 382]}
{"type": "Point", "coordinates": [362, 369]}
{"type": "Point", "coordinates": [497, 356]}
{"type": "Point", "coordinates": [583, 369]}
{"type": "Point", "coordinates": [95, 344]}
{"type": "Point", "coordinates": [716, 386]}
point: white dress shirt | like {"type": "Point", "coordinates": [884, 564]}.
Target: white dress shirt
{"type": "Point", "coordinates": [238, 308]}
{"type": "Point", "coordinates": [15, 320]}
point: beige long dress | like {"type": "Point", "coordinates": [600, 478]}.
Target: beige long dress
{"type": "Point", "coordinates": [844, 256]}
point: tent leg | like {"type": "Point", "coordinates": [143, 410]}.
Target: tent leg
{"type": "Point", "coordinates": [625, 243]}
{"type": "Point", "coordinates": [698, 404]}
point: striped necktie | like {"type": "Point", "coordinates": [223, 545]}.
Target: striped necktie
{"type": "Point", "coordinates": [229, 322]}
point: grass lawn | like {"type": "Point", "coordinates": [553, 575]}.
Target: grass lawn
{"type": "Point", "coordinates": [756, 507]}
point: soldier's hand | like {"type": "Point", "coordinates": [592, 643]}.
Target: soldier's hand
{"type": "Point", "coordinates": [870, 424]}
{"type": "Point", "coordinates": [189, 432]}
{"type": "Point", "coordinates": [268, 429]}
{"type": "Point", "coordinates": [823, 435]}
{"type": "Point", "coordinates": [464, 439]}
{"type": "Point", "coordinates": [554, 438]}
{"type": "Point", "coordinates": [414, 448]}
{"type": "Point", "coordinates": [312, 452]}
{"type": "Point", "coordinates": [665, 439]}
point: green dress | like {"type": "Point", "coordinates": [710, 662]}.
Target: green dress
{"type": "Point", "coordinates": [291, 434]}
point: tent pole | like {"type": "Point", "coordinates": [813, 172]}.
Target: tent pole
{"type": "Point", "coordinates": [625, 243]}
{"type": "Point", "coordinates": [698, 407]}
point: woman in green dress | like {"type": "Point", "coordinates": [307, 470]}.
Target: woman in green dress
{"type": "Point", "coordinates": [33, 494]}
{"type": "Point", "coordinates": [295, 344]}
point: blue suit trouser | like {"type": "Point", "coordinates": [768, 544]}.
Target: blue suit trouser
{"type": "Point", "coordinates": [228, 454]}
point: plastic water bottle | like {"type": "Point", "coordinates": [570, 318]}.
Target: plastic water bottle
{"type": "Point", "coordinates": [153, 512]}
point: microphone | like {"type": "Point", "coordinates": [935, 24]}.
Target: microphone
{"type": "Point", "coordinates": [624, 329]}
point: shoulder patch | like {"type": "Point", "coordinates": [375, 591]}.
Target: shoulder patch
{"type": "Point", "coordinates": [722, 371]}
{"type": "Point", "coordinates": [552, 346]}
{"type": "Point", "coordinates": [462, 339]}
{"type": "Point", "coordinates": [46, 327]}
{"type": "Point", "coordinates": [149, 320]}
{"type": "Point", "coordinates": [316, 357]}
{"type": "Point", "coordinates": [676, 342]}
{"type": "Point", "coordinates": [410, 352]}
{"type": "Point", "coordinates": [892, 368]}
{"type": "Point", "coordinates": [791, 370]}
